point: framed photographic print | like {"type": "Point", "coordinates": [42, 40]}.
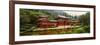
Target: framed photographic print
{"type": "Point", "coordinates": [37, 22]}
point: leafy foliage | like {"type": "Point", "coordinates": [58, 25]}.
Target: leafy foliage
{"type": "Point", "coordinates": [85, 19]}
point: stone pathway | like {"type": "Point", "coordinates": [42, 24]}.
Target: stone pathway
{"type": "Point", "coordinates": [60, 27]}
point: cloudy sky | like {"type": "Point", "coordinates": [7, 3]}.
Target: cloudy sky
{"type": "Point", "coordinates": [76, 13]}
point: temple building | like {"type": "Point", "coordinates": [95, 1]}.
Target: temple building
{"type": "Point", "coordinates": [44, 22]}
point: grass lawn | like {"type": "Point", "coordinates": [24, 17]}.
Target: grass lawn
{"type": "Point", "coordinates": [50, 31]}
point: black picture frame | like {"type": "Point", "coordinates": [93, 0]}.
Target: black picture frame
{"type": "Point", "coordinates": [12, 22]}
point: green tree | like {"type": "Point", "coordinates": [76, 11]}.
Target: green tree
{"type": "Point", "coordinates": [85, 19]}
